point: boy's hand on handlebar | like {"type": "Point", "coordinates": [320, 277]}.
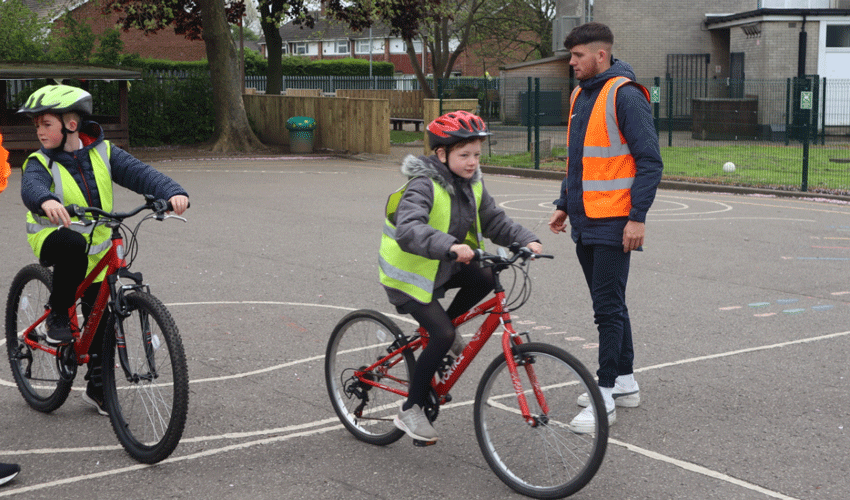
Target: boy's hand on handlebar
{"type": "Point", "coordinates": [180, 203]}
{"type": "Point", "coordinates": [464, 253]}
{"type": "Point", "coordinates": [535, 247]}
{"type": "Point", "coordinates": [56, 213]}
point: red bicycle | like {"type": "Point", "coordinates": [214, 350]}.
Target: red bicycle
{"type": "Point", "coordinates": [523, 405]}
{"type": "Point", "coordinates": [145, 379]}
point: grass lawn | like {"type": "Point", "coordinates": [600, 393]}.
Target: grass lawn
{"type": "Point", "coordinates": [403, 136]}
{"type": "Point", "coordinates": [774, 166]}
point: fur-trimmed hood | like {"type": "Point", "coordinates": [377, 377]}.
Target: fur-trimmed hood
{"type": "Point", "coordinates": [431, 167]}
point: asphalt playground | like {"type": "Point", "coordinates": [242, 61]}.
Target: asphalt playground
{"type": "Point", "coordinates": [740, 305]}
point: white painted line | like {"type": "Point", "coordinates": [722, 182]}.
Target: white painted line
{"type": "Point", "coordinates": [326, 425]}
{"type": "Point", "coordinates": [691, 467]}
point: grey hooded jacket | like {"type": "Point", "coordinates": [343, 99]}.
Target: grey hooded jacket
{"type": "Point", "coordinates": [415, 236]}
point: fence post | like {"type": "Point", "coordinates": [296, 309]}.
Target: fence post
{"type": "Point", "coordinates": [528, 116]}
{"type": "Point", "coordinates": [537, 124]}
{"type": "Point", "coordinates": [823, 113]}
{"type": "Point", "coordinates": [657, 104]}
{"type": "Point", "coordinates": [787, 111]}
{"type": "Point", "coordinates": [669, 112]}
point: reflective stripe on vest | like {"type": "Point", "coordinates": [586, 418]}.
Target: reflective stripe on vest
{"type": "Point", "coordinates": [608, 168]}
{"type": "Point", "coordinates": [68, 192]}
{"type": "Point", "coordinates": [411, 273]}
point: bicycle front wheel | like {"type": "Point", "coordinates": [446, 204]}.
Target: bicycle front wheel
{"type": "Point", "coordinates": [546, 459]}
{"type": "Point", "coordinates": [359, 340]}
{"type": "Point", "coordinates": [35, 371]}
{"type": "Point", "coordinates": [146, 392]}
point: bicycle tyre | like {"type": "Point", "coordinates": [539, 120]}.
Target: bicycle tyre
{"type": "Point", "coordinates": [35, 371]}
{"type": "Point", "coordinates": [546, 460]}
{"type": "Point", "coordinates": [359, 340]}
{"type": "Point", "coordinates": [147, 410]}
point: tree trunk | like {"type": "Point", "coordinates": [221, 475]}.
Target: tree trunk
{"type": "Point", "coordinates": [274, 49]}
{"type": "Point", "coordinates": [232, 131]}
{"type": "Point", "coordinates": [427, 92]}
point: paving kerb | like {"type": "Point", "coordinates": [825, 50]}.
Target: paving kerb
{"type": "Point", "coordinates": [741, 398]}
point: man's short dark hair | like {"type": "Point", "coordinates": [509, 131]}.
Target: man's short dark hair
{"type": "Point", "coordinates": [589, 33]}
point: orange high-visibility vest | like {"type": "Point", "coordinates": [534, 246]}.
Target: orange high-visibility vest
{"type": "Point", "coordinates": [608, 168]}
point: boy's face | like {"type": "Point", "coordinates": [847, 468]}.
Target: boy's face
{"type": "Point", "coordinates": [49, 130]}
{"type": "Point", "coordinates": [463, 161]}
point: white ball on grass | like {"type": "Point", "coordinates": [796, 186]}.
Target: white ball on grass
{"type": "Point", "coordinates": [728, 167]}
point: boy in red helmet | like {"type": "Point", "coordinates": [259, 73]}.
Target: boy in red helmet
{"type": "Point", "coordinates": [443, 208]}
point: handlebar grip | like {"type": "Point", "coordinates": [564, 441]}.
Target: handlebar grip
{"type": "Point", "coordinates": [451, 256]}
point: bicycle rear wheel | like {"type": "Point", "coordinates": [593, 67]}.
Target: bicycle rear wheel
{"type": "Point", "coordinates": [545, 460]}
{"type": "Point", "coordinates": [35, 371]}
{"type": "Point", "coordinates": [147, 393]}
{"type": "Point", "coordinates": [360, 339]}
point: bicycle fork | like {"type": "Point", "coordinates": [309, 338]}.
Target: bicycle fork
{"type": "Point", "coordinates": [120, 310]}
{"type": "Point", "coordinates": [510, 340]}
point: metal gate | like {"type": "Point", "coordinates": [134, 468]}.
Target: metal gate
{"type": "Point", "coordinates": [687, 78]}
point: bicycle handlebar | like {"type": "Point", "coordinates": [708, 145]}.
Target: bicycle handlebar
{"type": "Point", "coordinates": [518, 253]}
{"type": "Point", "coordinates": [158, 206]}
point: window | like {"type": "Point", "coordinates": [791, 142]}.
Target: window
{"type": "Point", "coordinates": [838, 36]}
{"type": "Point", "coordinates": [339, 47]}
{"type": "Point", "coordinates": [362, 46]}
{"type": "Point", "coordinates": [300, 48]}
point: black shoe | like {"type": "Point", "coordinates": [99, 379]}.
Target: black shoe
{"type": "Point", "coordinates": [8, 472]}
{"type": "Point", "coordinates": [58, 329]}
{"type": "Point", "coordinates": [94, 397]}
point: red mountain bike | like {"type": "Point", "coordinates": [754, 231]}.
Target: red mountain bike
{"type": "Point", "coordinates": [523, 405]}
{"type": "Point", "coordinates": [145, 379]}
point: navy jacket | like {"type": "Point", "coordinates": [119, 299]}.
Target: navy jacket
{"type": "Point", "coordinates": [634, 117]}
{"type": "Point", "coordinates": [127, 171]}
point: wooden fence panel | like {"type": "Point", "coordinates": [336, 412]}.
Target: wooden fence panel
{"type": "Point", "coordinates": [403, 103]}
{"type": "Point", "coordinates": [304, 92]}
{"type": "Point", "coordinates": [343, 124]}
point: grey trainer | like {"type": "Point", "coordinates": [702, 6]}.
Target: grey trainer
{"type": "Point", "coordinates": [415, 424]}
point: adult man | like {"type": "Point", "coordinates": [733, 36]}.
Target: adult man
{"type": "Point", "coordinates": [613, 170]}
{"type": "Point", "coordinates": [7, 471]}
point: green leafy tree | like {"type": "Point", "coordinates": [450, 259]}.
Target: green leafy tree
{"type": "Point", "coordinates": [207, 20]}
{"type": "Point", "coordinates": [272, 14]}
{"type": "Point", "coordinates": [110, 48]}
{"type": "Point", "coordinates": [443, 26]}
{"type": "Point", "coordinates": [22, 34]}
{"type": "Point", "coordinates": [512, 31]}
{"type": "Point", "coordinates": [71, 40]}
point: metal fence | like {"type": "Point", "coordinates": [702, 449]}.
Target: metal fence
{"type": "Point", "coordinates": [791, 134]}
{"type": "Point", "coordinates": [785, 133]}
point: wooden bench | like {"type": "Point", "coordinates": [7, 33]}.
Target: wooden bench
{"type": "Point", "coordinates": [398, 123]}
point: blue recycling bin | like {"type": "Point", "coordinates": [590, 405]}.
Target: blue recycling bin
{"type": "Point", "coordinates": [301, 134]}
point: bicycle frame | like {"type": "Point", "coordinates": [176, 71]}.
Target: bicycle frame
{"type": "Point", "coordinates": [115, 266]}
{"type": "Point", "coordinates": [497, 316]}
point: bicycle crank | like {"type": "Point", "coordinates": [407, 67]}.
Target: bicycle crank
{"type": "Point", "coordinates": [66, 362]}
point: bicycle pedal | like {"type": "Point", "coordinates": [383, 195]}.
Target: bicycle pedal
{"type": "Point", "coordinates": [422, 444]}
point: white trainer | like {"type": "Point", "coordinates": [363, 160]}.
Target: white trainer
{"type": "Point", "coordinates": [625, 396]}
{"type": "Point", "coordinates": [585, 421]}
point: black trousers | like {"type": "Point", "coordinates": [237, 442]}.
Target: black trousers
{"type": "Point", "coordinates": [66, 252]}
{"type": "Point", "coordinates": [474, 283]}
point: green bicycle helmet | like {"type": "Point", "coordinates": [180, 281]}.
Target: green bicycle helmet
{"type": "Point", "coordinates": [58, 99]}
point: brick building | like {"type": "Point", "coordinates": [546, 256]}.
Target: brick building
{"type": "Point", "coordinates": [330, 40]}
{"type": "Point", "coordinates": [162, 45]}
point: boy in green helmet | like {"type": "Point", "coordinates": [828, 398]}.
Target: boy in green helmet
{"type": "Point", "coordinates": [75, 165]}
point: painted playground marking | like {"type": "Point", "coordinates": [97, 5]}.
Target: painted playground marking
{"type": "Point", "coordinates": [317, 427]}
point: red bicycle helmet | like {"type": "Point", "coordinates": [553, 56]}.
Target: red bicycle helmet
{"type": "Point", "coordinates": [455, 127]}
